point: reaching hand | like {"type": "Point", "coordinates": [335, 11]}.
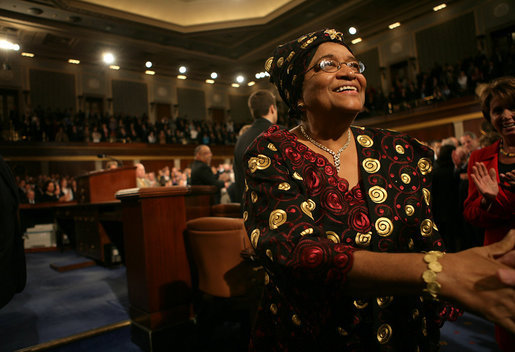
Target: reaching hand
{"type": "Point", "coordinates": [485, 181]}
{"type": "Point", "coordinates": [482, 279]}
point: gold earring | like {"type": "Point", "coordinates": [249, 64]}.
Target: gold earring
{"type": "Point", "coordinates": [300, 105]}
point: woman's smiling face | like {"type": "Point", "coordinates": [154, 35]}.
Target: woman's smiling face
{"type": "Point", "coordinates": [341, 91]}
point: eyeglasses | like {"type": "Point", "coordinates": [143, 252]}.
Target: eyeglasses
{"type": "Point", "coordinates": [331, 66]}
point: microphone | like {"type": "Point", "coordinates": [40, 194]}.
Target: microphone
{"type": "Point", "coordinates": [105, 156]}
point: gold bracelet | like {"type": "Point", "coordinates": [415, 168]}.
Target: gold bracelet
{"type": "Point", "coordinates": [429, 276]}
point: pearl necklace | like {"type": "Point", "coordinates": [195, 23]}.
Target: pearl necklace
{"type": "Point", "coordinates": [336, 155]}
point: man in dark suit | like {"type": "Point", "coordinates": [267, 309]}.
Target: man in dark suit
{"type": "Point", "coordinates": [12, 256]}
{"type": "Point", "coordinates": [201, 173]}
{"type": "Point", "coordinates": [263, 109]}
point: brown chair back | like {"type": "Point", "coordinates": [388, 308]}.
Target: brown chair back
{"type": "Point", "coordinates": [216, 244]}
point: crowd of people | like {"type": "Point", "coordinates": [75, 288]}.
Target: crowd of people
{"type": "Point", "coordinates": [47, 125]}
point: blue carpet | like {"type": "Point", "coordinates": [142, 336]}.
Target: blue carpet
{"type": "Point", "coordinates": [56, 305]}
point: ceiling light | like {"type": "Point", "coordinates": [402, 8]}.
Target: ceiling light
{"type": "Point", "coordinates": [439, 7]}
{"type": "Point", "coordinates": [108, 58]}
{"type": "Point", "coordinates": [74, 61]}
{"type": "Point", "coordinates": [27, 54]}
{"type": "Point", "coordinates": [183, 69]}
{"type": "Point", "coordinates": [5, 44]}
{"type": "Point", "coordinates": [114, 67]}
{"type": "Point", "coordinates": [210, 81]}
{"type": "Point", "coordinates": [235, 85]}
{"type": "Point", "coordinates": [214, 75]}
{"type": "Point", "coordinates": [394, 25]}
{"type": "Point", "coordinates": [181, 77]}
{"type": "Point", "coordinates": [148, 64]}
{"type": "Point", "coordinates": [356, 41]}
{"type": "Point", "coordinates": [150, 72]}
{"type": "Point", "coordinates": [240, 79]}
{"type": "Point", "coordinates": [352, 30]}
{"type": "Point", "coordinates": [251, 83]}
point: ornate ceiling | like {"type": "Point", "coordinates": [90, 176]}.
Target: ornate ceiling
{"type": "Point", "coordinates": [226, 36]}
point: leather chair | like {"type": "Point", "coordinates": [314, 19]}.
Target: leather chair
{"type": "Point", "coordinates": [227, 287]}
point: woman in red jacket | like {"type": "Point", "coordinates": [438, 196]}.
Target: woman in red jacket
{"type": "Point", "coordinates": [491, 195]}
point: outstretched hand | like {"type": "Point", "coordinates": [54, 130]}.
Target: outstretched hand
{"type": "Point", "coordinates": [485, 181]}
{"type": "Point", "coordinates": [482, 279]}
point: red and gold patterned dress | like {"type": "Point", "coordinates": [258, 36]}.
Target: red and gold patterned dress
{"type": "Point", "coordinates": [305, 223]}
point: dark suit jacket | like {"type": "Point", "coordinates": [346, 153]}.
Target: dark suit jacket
{"type": "Point", "coordinates": [12, 256]}
{"type": "Point", "coordinates": [261, 124]}
{"type": "Point", "coordinates": [201, 175]}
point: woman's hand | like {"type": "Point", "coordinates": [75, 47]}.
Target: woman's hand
{"type": "Point", "coordinates": [482, 279]}
{"type": "Point", "coordinates": [485, 181]}
{"type": "Point", "coordinates": [508, 179]}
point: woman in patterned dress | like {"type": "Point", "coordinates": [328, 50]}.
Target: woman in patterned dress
{"type": "Point", "coordinates": [339, 217]}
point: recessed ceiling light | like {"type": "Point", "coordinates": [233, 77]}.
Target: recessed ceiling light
{"type": "Point", "coordinates": [108, 58]}
{"type": "Point", "coordinates": [240, 79]}
{"type": "Point", "coordinates": [150, 72]}
{"type": "Point", "coordinates": [439, 7]}
{"type": "Point", "coordinates": [356, 41]}
{"type": "Point", "coordinates": [148, 64]}
{"type": "Point", "coordinates": [181, 77]}
{"type": "Point", "coordinates": [251, 83]}
{"type": "Point", "coordinates": [235, 85]}
{"type": "Point", "coordinates": [210, 81]}
{"type": "Point", "coordinates": [74, 61]}
{"type": "Point", "coordinates": [114, 67]}
{"type": "Point", "coordinates": [214, 75]}
{"type": "Point", "coordinates": [27, 54]}
{"type": "Point", "coordinates": [183, 69]}
{"type": "Point", "coordinates": [352, 30]}
{"type": "Point", "coordinates": [394, 25]}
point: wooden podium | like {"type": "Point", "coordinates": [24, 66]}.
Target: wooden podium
{"type": "Point", "coordinates": [101, 186]}
{"type": "Point", "coordinates": [158, 273]}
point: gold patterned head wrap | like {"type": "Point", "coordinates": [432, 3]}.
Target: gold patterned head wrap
{"type": "Point", "coordinates": [290, 61]}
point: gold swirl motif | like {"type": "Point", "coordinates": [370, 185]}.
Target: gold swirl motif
{"type": "Point", "coordinates": [245, 215]}
{"type": "Point", "coordinates": [277, 218]}
{"type": "Point", "coordinates": [307, 232]}
{"type": "Point", "coordinates": [409, 209]}
{"type": "Point", "coordinates": [307, 207]}
{"type": "Point", "coordinates": [363, 239]}
{"type": "Point", "coordinates": [426, 228]}
{"type": "Point", "coordinates": [246, 186]}
{"type": "Point", "coordinates": [268, 64]}
{"type": "Point", "coordinates": [411, 244]}
{"type": "Point", "coordinates": [297, 176]}
{"type": "Point", "coordinates": [384, 227]}
{"type": "Point", "coordinates": [405, 178]}
{"type": "Point", "coordinates": [253, 197]}
{"type": "Point", "coordinates": [267, 279]}
{"type": "Point", "coordinates": [427, 195]}
{"type": "Point", "coordinates": [293, 79]}
{"type": "Point", "coordinates": [434, 226]}
{"type": "Point", "coordinates": [384, 333]}
{"type": "Point", "coordinates": [371, 165]}
{"type": "Point", "coordinates": [384, 301]}
{"type": "Point", "coordinates": [273, 308]}
{"type": "Point", "coordinates": [302, 38]}
{"type": "Point", "coordinates": [284, 186]}
{"type": "Point", "coordinates": [280, 62]}
{"type": "Point", "coordinates": [295, 319]}
{"type": "Point", "coordinates": [365, 141]}
{"type": "Point", "coordinates": [360, 303]}
{"type": "Point", "coordinates": [290, 66]}
{"type": "Point", "coordinates": [342, 331]}
{"type": "Point", "coordinates": [254, 237]}
{"type": "Point", "coordinates": [399, 149]}
{"type": "Point", "coordinates": [290, 56]}
{"type": "Point", "coordinates": [425, 166]}
{"type": "Point", "coordinates": [260, 162]}
{"type": "Point", "coordinates": [308, 42]}
{"type": "Point", "coordinates": [269, 254]}
{"type": "Point", "coordinates": [333, 236]}
{"type": "Point", "coordinates": [271, 147]}
{"type": "Point", "coordinates": [377, 194]}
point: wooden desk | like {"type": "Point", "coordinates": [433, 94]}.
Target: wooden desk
{"type": "Point", "coordinates": [158, 273]}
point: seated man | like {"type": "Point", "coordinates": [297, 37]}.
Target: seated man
{"type": "Point", "coordinates": [201, 173]}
